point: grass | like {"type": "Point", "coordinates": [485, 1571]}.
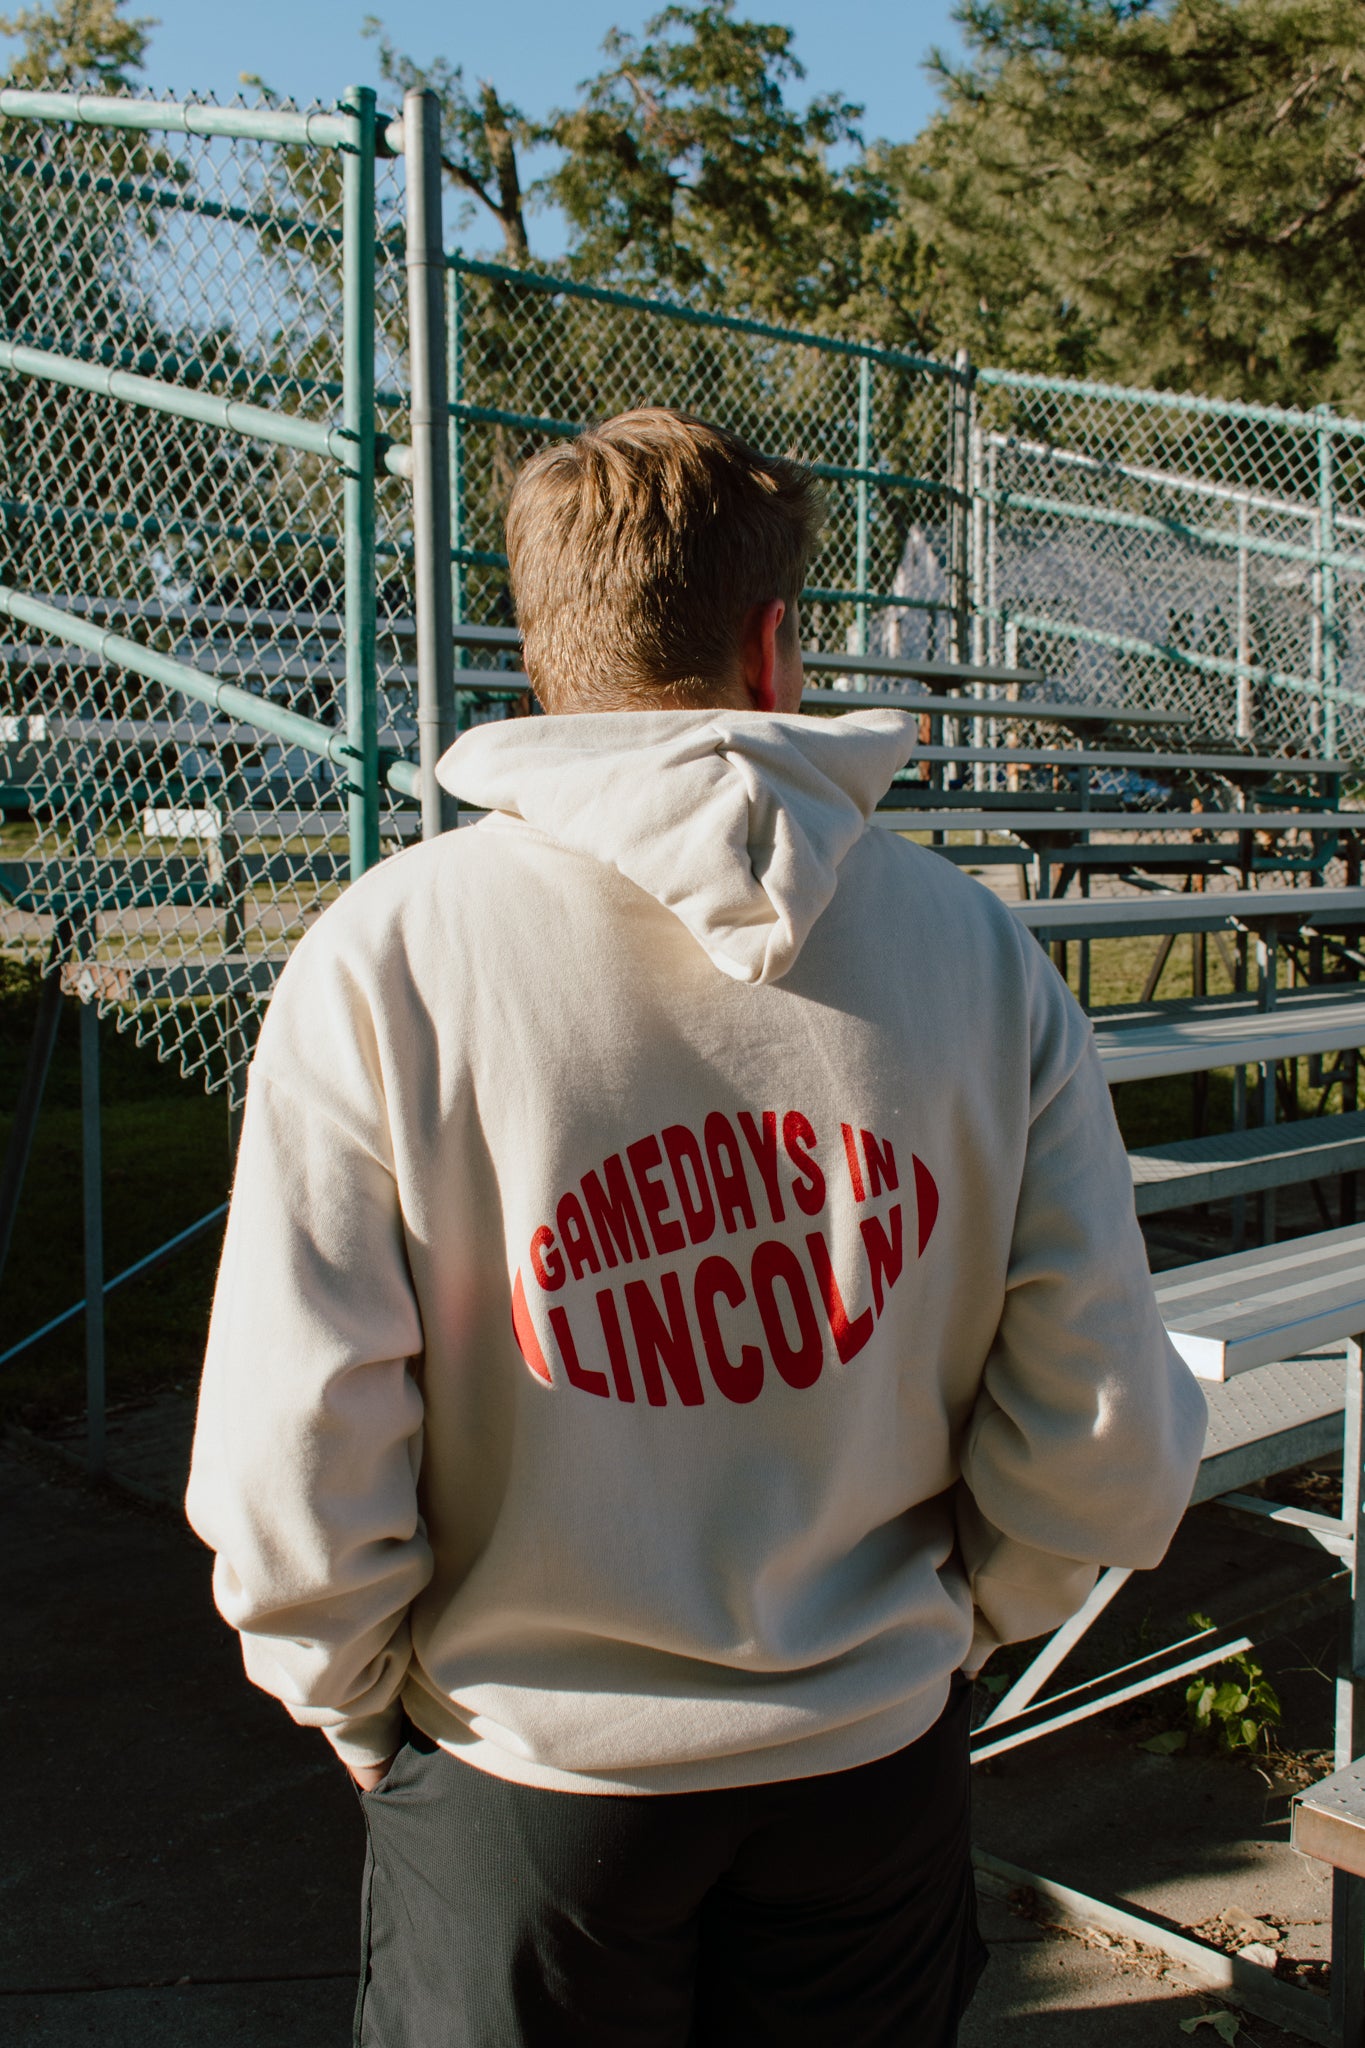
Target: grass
{"type": "Point", "coordinates": [1149, 1111]}
{"type": "Point", "coordinates": [165, 1164]}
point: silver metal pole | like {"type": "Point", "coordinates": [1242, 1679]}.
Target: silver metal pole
{"type": "Point", "coordinates": [1327, 579]}
{"type": "Point", "coordinates": [430, 426]}
{"type": "Point", "coordinates": [978, 589]}
{"type": "Point", "coordinates": [863, 506]}
{"type": "Point", "coordinates": [357, 374]}
{"type": "Point", "coordinates": [92, 1188]}
{"type": "Point", "coordinates": [992, 592]}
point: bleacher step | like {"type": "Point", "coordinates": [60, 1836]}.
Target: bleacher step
{"type": "Point", "coordinates": [1238, 1162]}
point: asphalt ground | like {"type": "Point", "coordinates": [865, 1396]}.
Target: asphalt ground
{"type": "Point", "coordinates": [181, 1864]}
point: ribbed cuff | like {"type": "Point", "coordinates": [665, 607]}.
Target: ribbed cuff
{"type": "Point", "coordinates": [371, 1740]}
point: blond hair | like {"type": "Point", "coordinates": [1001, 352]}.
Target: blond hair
{"type": "Point", "coordinates": [637, 551]}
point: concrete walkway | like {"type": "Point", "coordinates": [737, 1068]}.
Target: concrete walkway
{"type": "Point", "coordinates": [182, 1863]}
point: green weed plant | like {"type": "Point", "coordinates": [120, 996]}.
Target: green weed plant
{"type": "Point", "coordinates": [1235, 1704]}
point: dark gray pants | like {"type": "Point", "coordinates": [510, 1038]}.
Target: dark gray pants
{"type": "Point", "coordinates": [829, 1912]}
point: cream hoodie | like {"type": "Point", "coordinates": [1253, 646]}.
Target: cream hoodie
{"type": "Point", "coordinates": [682, 1297]}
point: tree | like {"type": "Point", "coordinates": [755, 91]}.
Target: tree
{"type": "Point", "coordinates": [77, 45]}
{"type": "Point", "coordinates": [1170, 194]}
{"type": "Point", "coordinates": [685, 167]}
{"type": "Point", "coordinates": [480, 137]}
{"type": "Point", "coordinates": [681, 168]}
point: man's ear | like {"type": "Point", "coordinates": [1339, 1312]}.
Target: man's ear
{"type": "Point", "coordinates": [758, 653]}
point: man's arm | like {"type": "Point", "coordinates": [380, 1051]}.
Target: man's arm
{"type": "Point", "coordinates": [1085, 1440]}
{"type": "Point", "coordinates": [309, 1431]}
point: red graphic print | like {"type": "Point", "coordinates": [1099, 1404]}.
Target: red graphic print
{"type": "Point", "coordinates": [885, 1255]}
{"type": "Point", "coordinates": [740, 1379]}
{"type": "Point", "coordinates": [663, 1338]}
{"type": "Point", "coordinates": [525, 1332]}
{"type": "Point", "coordinates": [849, 1336]}
{"type": "Point", "coordinates": [776, 1265]}
{"type": "Point", "coordinates": [686, 1328]}
{"type": "Point", "coordinates": [926, 1201]}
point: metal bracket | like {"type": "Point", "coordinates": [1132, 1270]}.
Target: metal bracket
{"type": "Point", "coordinates": [1296, 1525]}
{"type": "Point", "coordinates": [1148, 1674]}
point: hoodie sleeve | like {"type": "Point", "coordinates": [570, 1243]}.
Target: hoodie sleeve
{"type": "Point", "coordinates": [309, 1431]}
{"type": "Point", "coordinates": [1085, 1439]}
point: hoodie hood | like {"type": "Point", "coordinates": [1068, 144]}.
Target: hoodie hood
{"type": "Point", "coordinates": [735, 821]}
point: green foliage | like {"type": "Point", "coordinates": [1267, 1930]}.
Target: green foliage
{"type": "Point", "coordinates": [1225, 2024]}
{"type": "Point", "coordinates": [88, 45]}
{"type": "Point", "coordinates": [480, 137]}
{"type": "Point", "coordinates": [1164, 194]}
{"type": "Point", "coordinates": [684, 166]}
{"type": "Point", "coordinates": [1234, 1703]}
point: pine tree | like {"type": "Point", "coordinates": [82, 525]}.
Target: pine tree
{"type": "Point", "coordinates": [1165, 194]}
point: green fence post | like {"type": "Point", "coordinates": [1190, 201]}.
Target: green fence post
{"type": "Point", "coordinates": [455, 395]}
{"type": "Point", "coordinates": [864, 464]}
{"type": "Point", "coordinates": [960, 574]}
{"type": "Point", "coordinates": [92, 1191]}
{"type": "Point", "coordinates": [977, 539]}
{"type": "Point", "coordinates": [24, 1116]}
{"type": "Point", "coordinates": [357, 374]}
{"type": "Point", "coordinates": [1327, 579]}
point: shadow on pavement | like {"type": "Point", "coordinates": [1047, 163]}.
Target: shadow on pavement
{"type": "Point", "coordinates": [182, 1862]}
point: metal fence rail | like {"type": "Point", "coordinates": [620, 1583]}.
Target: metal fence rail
{"type": "Point", "coordinates": [202, 524]}
{"type": "Point", "coordinates": [1150, 548]}
{"type": "Point", "coordinates": [535, 358]}
{"type": "Point", "coordinates": [227, 621]}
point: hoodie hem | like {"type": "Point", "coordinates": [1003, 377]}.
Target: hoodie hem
{"type": "Point", "coordinates": [829, 1750]}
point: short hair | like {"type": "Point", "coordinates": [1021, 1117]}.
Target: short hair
{"type": "Point", "coordinates": [637, 550]}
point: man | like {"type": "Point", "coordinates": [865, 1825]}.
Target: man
{"type": "Point", "coordinates": [682, 1308]}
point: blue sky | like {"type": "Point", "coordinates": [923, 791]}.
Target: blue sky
{"type": "Point", "coordinates": [535, 51]}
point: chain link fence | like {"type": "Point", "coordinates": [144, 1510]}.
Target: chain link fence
{"type": "Point", "coordinates": [197, 304]}
{"type": "Point", "coordinates": [208, 619]}
{"type": "Point", "coordinates": [1137, 549]}
{"type": "Point", "coordinates": [534, 358]}
{"type": "Point", "coordinates": [1178, 553]}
